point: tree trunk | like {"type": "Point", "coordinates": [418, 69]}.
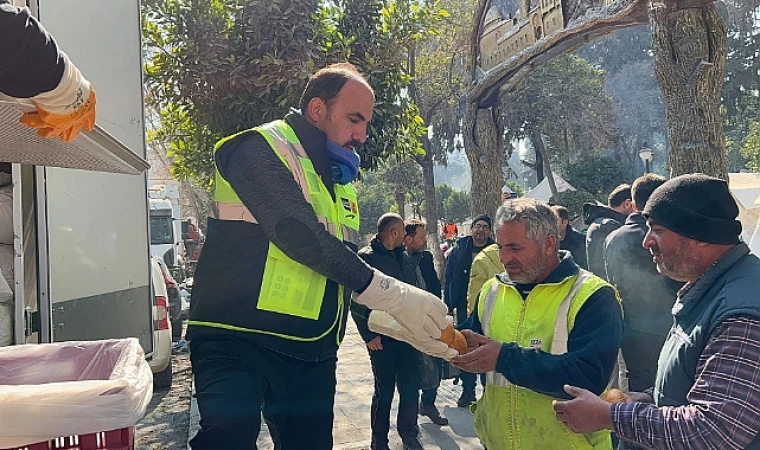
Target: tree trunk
{"type": "Point", "coordinates": [401, 201]}
{"type": "Point", "coordinates": [690, 48]}
{"type": "Point", "coordinates": [539, 165]}
{"type": "Point", "coordinates": [485, 152]}
{"type": "Point", "coordinates": [431, 207]}
{"type": "Point", "coordinates": [538, 142]}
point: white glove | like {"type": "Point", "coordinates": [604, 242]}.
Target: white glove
{"type": "Point", "coordinates": [381, 322]}
{"type": "Point", "coordinates": [421, 313]}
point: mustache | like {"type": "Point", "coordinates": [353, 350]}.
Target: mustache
{"type": "Point", "coordinates": [655, 251]}
{"type": "Point", "coordinates": [352, 143]}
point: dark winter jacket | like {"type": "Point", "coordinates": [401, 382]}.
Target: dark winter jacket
{"type": "Point", "coordinates": [424, 261]}
{"type": "Point", "coordinates": [31, 63]}
{"type": "Point", "coordinates": [602, 220]}
{"type": "Point", "coordinates": [458, 274]}
{"type": "Point", "coordinates": [392, 263]}
{"type": "Point", "coordinates": [575, 243]}
{"type": "Point", "coordinates": [648, 298]}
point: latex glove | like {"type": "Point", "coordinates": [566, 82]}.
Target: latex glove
{"type": "Point", "coordinates": [381, 322]}
{"type": "Point", "coordinates": [66, 110]}
{"type": "Point", "coordinates": [420, 312]}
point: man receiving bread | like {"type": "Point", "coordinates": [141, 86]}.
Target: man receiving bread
{"type": "Point", "coordinates": [535, 327]}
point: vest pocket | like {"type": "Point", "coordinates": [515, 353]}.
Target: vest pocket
{"type": "Point", "coordinates": [290, 288]}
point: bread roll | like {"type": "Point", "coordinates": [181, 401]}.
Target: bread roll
{"type": "Point", "coordinates": [615, 396]}
{"type": "Point", "coordinates": [454, 339]}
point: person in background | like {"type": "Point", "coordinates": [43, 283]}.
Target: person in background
{"type": "Point", "coordinates": [647, 295]}
{"type": "Point", "coordinates": [395, 364]}
{"type": "Point", "coordinates": [571, 239]}
{"type": "Point", "coordinates": [458, 278]}
{"type": "Point", "coordinates": [707, 389]}
{"type": "Point", "coordinates": [34, 68]}
{"type": "Point", "coordinates": [421, 262]}
{"type": "Point", "coordinates": [603, 220]}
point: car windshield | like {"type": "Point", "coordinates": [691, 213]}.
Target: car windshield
{"type": "Point", "coordinates": [161, 231]}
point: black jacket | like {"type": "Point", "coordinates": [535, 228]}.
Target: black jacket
{"type": "Point", "coordinates": [648, 298]}
{"type": "Point", "coordinates": [458, 274]}
{"type": "Point", "coordinates": [602, 220]}
{"type": "Point", "coordinates": [575, 243]}
{"type": "Point", "coordinates": [424, 260]}
{"type": "Point", "coordinates": [31, 63]}
{"type": "Point", "coordinates": [393, 263]}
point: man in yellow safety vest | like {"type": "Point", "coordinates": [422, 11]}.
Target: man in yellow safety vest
{"type": "Point", "coordinates": [273, 284]}
{"type": "Point", "coordinates": [546, 322]}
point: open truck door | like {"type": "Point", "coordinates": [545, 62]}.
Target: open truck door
{"type": "Point", "coordinates": [80, 215]}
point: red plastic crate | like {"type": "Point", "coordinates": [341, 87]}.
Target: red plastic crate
{"type": "Point", "coordinates": [122, 439]}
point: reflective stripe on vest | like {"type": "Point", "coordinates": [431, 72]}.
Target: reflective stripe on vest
{"type": "Point", "coordinates": [288, 287]}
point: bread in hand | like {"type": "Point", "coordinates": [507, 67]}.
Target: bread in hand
{"type": "Point", "coordinates": [454, 339]}
{"type": "Point", "coordinates": [615, 396]}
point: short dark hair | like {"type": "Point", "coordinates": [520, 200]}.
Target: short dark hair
{"type": "Point", "coordinates": [386, 221]}
{"type": "Point", "coordinates": [561, 211]}
{"type": "Point", "coordinates": [411, 226]}
{"type": "Point", "coordinates": [619, 195]}
{"type": "Point", "coordinates": [643, 187]}
{"type": "Point", "coordinates": [327, 83]}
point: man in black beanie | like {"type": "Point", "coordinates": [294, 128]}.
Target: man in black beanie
{"type": "Point", "coordinates": [707, 390]}
{"type": "Point", "coordinates": [457, 278]}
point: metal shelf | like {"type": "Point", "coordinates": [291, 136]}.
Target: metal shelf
{"type": "Point", "coordinates": [95, 151]}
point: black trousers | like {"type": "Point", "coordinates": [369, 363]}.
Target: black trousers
{"type": "Point", "coordinates": [396, 365]}
{"type": "Point", "coordinates": [236, 380]}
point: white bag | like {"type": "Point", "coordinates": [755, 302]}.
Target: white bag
{"type": "Point", "coordinates": [71, 388]}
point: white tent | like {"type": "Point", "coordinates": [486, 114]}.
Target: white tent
{"type": "Point", "coordinates": [746, 190]}
{"type": "Point", "coordinates": [544, 192]}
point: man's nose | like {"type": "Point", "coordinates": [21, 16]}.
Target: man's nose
{"type": "Point", "coordinates": [360, 134]}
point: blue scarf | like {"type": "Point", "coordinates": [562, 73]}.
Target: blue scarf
{"type": "Point", "coordinates": [344, 163]}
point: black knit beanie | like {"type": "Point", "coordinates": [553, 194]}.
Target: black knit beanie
{"type": "Point", "coordinates": [698, 207]}
{"type": "Point", "coordinates": [484, 218]}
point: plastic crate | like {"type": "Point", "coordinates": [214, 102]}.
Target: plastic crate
{"type": "Point", "coordinates": [122, 439]}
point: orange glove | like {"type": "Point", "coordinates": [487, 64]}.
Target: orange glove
{"type": "Point", "coordinates": [65, 126]}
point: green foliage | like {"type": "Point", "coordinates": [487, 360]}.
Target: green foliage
{"type": "Point", "coordinates": [441, 77]}
{"type": "Point", "coordinates": [597, 176]}
{"type": "Point", "coordinates": [216, 67]}
{"type": "Point", "coordinates": [574, 200]}
{"type": "Point", "coordinates": [516, 187]}
{"type": "Point", "coordinates": [453, 205]}
{"type": "Point", "coordinates": [566, 101]}
{"type": "Point", "coordinates": [374, 202]}
{"type": "Point", "coordinates": [751, 149]}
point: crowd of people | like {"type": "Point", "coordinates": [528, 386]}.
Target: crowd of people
{"type": "Point", "coordinates": [658, 298]}
{"type": "Point", "coordinates": [652, 300]}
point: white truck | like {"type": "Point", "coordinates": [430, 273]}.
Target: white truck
{"type": "Point", "coordinates": [166, 228]}
{"type": "Point", "coordinates": [81, 247]}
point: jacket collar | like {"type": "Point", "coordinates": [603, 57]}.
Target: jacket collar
{"type": "Point", "coordinates": [566, 268]}
{"type": "Point", "coordinates": [636, 219]}
{"type": "Point", "coordinates": [378, 247]}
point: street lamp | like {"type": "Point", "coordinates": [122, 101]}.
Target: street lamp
{"type": "Point", "coordinates": [646, 155]}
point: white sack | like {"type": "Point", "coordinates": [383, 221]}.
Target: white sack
{"type": "Point", "coordinates": [71, 388]}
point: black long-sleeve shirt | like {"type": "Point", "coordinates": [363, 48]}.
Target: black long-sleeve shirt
{"type": "Point", "coordinates": [592, 345]}
{"type": "Point", "coordinates": [30, 63]}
